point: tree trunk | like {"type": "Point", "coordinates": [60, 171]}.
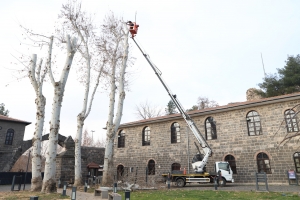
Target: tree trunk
{"type": "Point", "coordinates": [49, 182]}
{"type": "Point", "coordinates": [36, 181]}
{"type": "Point", "coordinates": [112, 127]}
{"type": "Point", "coordinates": [108, 162]}
{"type": "Point", "coordinates": [78, 175]}
{"type": "Point", "coordinates": [40, 101]}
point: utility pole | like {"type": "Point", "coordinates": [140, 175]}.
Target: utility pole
{"type": "Point", "coordinates": [263, 65]}
{"type": "Point", "coordinates": [92, 136]}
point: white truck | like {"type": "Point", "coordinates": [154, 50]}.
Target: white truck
{"type": "Point", "coordinates": [222, 169]}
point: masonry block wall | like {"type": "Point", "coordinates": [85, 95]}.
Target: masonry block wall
{"type": "Point", "coordinates": [10, 153]}
{"type": "Point", "coordinates": [65, 161]}
{"type": "Point", "coordinates": [232, 139]}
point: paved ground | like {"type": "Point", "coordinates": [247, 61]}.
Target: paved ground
{"type": "Point", "coordinates": [229, 187]}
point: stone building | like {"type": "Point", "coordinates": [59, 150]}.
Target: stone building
{"type": "Point", "coordinates": [12, 145]}
{"type": "Point", "coordinates": [246, 134]}
{"type": "Point", "coordinates": [92, 158]}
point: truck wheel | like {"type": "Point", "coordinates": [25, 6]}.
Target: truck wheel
{"type": "Point", "coordinates": [222, 182]}
{"type": "Point", "coordinates": [180, 182]}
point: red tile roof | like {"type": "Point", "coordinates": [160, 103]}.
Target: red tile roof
{"type": "Point", "coordinates": [5, 118]}
{"type": "Point", "coordinates": [230, 106]}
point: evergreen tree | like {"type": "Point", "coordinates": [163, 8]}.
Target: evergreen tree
{"type": "Point", "coordinates": [171, 108]}
{"type": "Point", "coordinates": [287, 81]}
{"type": "Point", "coordinates": [2, 110]}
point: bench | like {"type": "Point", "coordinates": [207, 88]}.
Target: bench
{"type": "Point", "coordinates": [114, 196]}
{"type": "Point", "coordinates": [102, 193]}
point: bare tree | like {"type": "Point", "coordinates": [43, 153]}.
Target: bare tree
{"type": "Point", "coordinates": [146, 110]}
{"type": "Point", "coordinates": [89, 141]}
{"type": "Point", "coordinates": [49, 182]}
{"type": "Point", "coordinates": [37, 77]}
{"type": "Point", "coordinates": [36, 72]}
{"type": "Point", "coordinates": [290, 122]}
{"type": "Point", "coordinates": [116, 47]}
{"type": "Point", "coordinates": [77, 21]}
{"type": "Point", "coordinates": [202, 103]}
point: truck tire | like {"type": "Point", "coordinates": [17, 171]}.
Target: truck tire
{"type": "Point", "coordinates": [222, 182]}
{"type": "Point", "coordinates": [180, 182]}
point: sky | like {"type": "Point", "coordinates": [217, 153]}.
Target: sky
{"type": "Point", "coordinates": [203, 48]}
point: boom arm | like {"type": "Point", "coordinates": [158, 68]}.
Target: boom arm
{"type": "Point", "coordinates": [207, 150]}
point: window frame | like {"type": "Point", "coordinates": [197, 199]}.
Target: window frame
{"type": "Point", "coordinates": [262, 166]}
{"type": "Point", "coordinates": [9, 136]}
{"type": "Point", "coordinates": [252, 122]}
{"type": "Point", "coordinates": [296, 159]}
{"type": "Point", "coordinates": [121, 139]}
{"type": "Point", "coordinates": [289, 117]}
{"type": "Point", "coordinates": [175, 133]}
{"type": "Point", "coordinates": [146, 136]}
{"type": "Point", "coordinates": [210, 129]}
{"type": "Point", "coordinates": [231, 160]}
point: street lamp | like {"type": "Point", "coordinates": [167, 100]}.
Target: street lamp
{"type": "Point", "coordinates": [93, 135]}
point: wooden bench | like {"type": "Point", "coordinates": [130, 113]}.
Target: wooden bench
{"type": "Point", "coordinates": [102, 193]}
{"type": "Point", "coordinates": [114, 196]}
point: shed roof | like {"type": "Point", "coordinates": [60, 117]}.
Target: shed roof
{"type": "Point", "coordinates": [93, 165]}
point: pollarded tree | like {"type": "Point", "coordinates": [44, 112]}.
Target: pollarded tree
{"type": "Point", "coordinates": [37, 75]}
{"type": "Point", "coordinates": [115, 46]}
{"type": "Point", "coordinates": [78, 22]}
{"type": "Point", "coordinates": [49, 181]}
{"type": "Point", "coordinates": [36, 71]}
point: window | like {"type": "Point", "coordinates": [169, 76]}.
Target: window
{"type": "Point", "coordinates": [253, 123]}
{"type": "Point", "coordinates": [297, 161]}
{"type": "Point", "coordinates": [121, 139]}
{"type": "Point", "coordinates": [231, 160]}
{"type": "Point", "coordinates": [291, 121]}
{"type": "Point", "coordinates": [175, 166]}
{"type": "Point", "coordinates": [175, 133]}
{"type": "Point", "coordinates": [146, 136]}
{"type": "Point", "coordinates": [9, 136]}
{"type": "Point", "coordinates": [263, 163]}
{"type": "Point", "coordinates": [210, 129]}
{"type": "Point", "coordinates": [151, 167]}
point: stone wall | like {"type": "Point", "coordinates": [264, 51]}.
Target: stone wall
{"type": "Point", "coordinates": [9, 154]}
{"type": "Point", "coordinates": [232, 138]}
{"type": "Point", "coordinates": [65, 161]}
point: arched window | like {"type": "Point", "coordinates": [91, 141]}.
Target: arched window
{"type": "Point", "coordinates": [297, 161]}
{"type": "Point", "coordinates": [263, 163]}
{"type": "Point", "coordinates": [175, 166]}
{"type": "Point", "coordinates": [175, 133]}
{"type": "Point", "coordinates": [210, 129]}
{"type": "Point", "coordinates": [253, 123]}
{"type": "Point", "coordinates": [9, 136]}
{"type": "Point", "coordinates": [231, 160]}
{"type": "Point", "coordinates": [291, 121]}
{"type": "Point", "coordinates": [121, 139]}
{"type": "Point", "coordinates": [151, 167]}
{"type": "Point", "coordinates": [120, 172]}
{"type": "Point", "coordinates": [146, 136]}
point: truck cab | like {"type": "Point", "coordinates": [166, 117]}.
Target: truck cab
{"type": "Point", "coordinates": [226, 172]}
